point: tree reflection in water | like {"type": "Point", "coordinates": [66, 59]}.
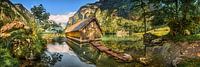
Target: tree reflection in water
{"type": "Point", "coordinates": [51, 59]}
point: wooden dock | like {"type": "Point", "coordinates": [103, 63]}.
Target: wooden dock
{"type": "Point", "coordinates": [120, 56]}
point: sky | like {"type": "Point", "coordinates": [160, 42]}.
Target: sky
{"type": "Point", "coordinates": [60, 10]}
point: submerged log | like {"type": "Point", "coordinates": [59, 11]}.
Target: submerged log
{"type": "Point", "coordinates": [124, 57]}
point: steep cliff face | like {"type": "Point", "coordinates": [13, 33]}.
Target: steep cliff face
{"type": "Point", "coordinates": [10, 12]}
{"type": "Point", "coordinates": [113, 15]}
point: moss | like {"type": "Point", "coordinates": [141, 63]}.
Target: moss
{"type": "Point", "coordinates": [189, 62]}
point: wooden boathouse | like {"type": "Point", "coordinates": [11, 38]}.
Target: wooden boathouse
{"type": "Point", "coordinates": [86, 30]}
{"type": "Point", "coordinates": [89, 31]}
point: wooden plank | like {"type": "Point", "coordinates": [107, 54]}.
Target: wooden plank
{"type": "Point", "coordinates": [118, 55]}
{"type": "Point", "coordinates": [77, 39]}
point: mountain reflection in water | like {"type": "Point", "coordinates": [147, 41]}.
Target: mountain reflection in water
{"type": "Point", "coordinates": [68, 57]}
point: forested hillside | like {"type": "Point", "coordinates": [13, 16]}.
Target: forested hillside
{"type": "Point", "coordinates": [133, 15]}
{"type": "Point", "coordinates": [19, 34]}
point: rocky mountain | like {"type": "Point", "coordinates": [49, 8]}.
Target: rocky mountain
{"type": "Point", "coordinates": [113, 15]}
{"type": "Point", "coordinates": [10, 12]}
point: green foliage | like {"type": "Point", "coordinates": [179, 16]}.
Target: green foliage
{"type": "Point", "coordinates": [8, 12]}
{"type": "Point", "coordinates": [26, 46]}
{"type": "Point", "coordinates": [194, 26]}
{"type": "Point", "coordinates": [40, 12]}
{"type": "Point", "coordinates": [25, 42]}
{"type": "Point", "coordinates": [123, 43]}
{"type": "Point", "coordinates": [53, 27]}
{"type": "Point", "coordinates": [41, 15]}
{"type": "Point", "coordinates": [179, 15]}
{"type": "Point", "coordinates": [186, 38]}
{"type": "Point", "coordinates": [6, 58]}
{"type": "Point", "coordinates": [189, 62]}
{"type": "Point", "coordinates": [1, 23]}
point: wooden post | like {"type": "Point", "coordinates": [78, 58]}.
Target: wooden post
{"type": "Point", "coordinates": [81, 38]}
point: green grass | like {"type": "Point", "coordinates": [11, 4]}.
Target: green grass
{"type": "Point", "coordinates": [158, 32]}
{"type": "Point", "coordinates": [186, 38]}
{"type": "Point", "coordinates": [137, 36]}
{"type": "Point", "coordinates": [126, 38]}
{"type": "Point", "coordinates": [189, 62]}
{"type": "Point", "coordinates": [122, 44]}
{"type": "Point", "coordinates": [163, 31]}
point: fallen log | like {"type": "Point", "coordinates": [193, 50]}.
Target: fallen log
{"type": "Point", "coordinates": [120, 56]}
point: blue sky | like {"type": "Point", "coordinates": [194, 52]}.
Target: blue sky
{"type": "Point", "coordinates": [60, 10]}
{"type": "Point", "coordinates": [56, 6]}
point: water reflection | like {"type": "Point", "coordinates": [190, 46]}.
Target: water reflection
{"type": "Point", "coordinates": [59, 55]}
{"type": "Point", "coordinates": [100, 59]}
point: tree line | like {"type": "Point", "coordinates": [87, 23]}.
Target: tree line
{"type": "Point", "coordinates": [182, 16]}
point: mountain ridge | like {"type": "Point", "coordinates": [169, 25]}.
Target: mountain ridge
{"type": "Point", "coordinates": [113, 15]}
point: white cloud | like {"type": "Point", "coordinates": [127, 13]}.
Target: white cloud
{"type": "Point", "coordinates": [61, 18]}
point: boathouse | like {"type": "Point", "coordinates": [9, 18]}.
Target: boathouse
{"type": "Point", "coordinates": [86, 30]}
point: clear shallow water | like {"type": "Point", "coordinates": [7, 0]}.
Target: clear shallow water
{"type": "Point", "coordinates": [68, 57]}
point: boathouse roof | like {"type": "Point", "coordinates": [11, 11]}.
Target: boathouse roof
{"type": "Point", "coordinates": [82, 24]}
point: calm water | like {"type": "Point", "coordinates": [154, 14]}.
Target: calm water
{"type": "Point", "coordinates": [61, 55]}
{"type": "Point", "coordinates": [67, 57]}
{"type": "Point", "coordinates": [100, 59]}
